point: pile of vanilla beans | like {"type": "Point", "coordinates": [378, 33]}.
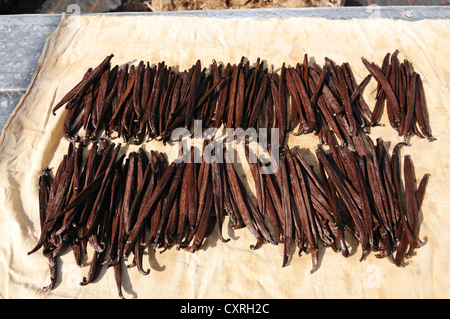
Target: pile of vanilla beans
{"type": "Point", "coordinates": [150, 101]}
{"type": "Point", "coordinates": [400, 90]}
{"type": "Point", "coordinates": [120, 203]}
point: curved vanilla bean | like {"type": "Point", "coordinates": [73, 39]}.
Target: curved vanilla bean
{"type": "Point", "coordinates": [184, 205]}
{"type": "Point", "coordinates": [121, 234]}
{"type": "Point", "coordinates": [193, 192]}
{"type": "Point", "coordinates": [192, 101]}
{"type": "Point", "coordinates": [419, 194]}
{"type": "Point", "coordinates": [413, 201]}
{"type": "Point", "coordinates": [166, 90]}
{"type": "Point", "coordinates": [174, 99]}
{"type": "Point", "coordinates": [305, 69]}
{"type": "Point", "coordinates": [401, 249]}
{"type": "Point", "coordinates": [357, 92]}
{"type": "Point", "coordinates": [279, 108]}
{"type": "Point", "coordinates": [258, 218]}
{"type": "Point", "coordinates": [216, 171]}
{"type": "Point", "coordinates": [223, 97]}
{"type": "Point", "coordinates": [231, 105]}
{"type": "Point", "coordinates": [318, 87]}
{"type": "Point", "coordinates": [253, 86]}
{"type": "Point", "coordinates": [149, 119]}
{"type": "Point", "coordinates": [138, 257]}
{"type": "Point", "coordinates": [230, 203]}
{"type": "Point", "coordinates": [118, 234]}
{"type": "Point", "coordinates": [402, 87]}
{"type": "Point", "coordinates": [357, 97]}
{"type": "Point", "coordinates": [94, 268]}
{"type": "Point", "coordinates": [239, 103]}
{"type": "Point", "coordinates": [127, 121]}
{"type": "Point", "coordinates": [118, 278]}
{"type": "Point", "coordinates": [273, 216]}
{"type": "Point", "coordinates": [108, 108]}
{"type": "Point", "coordinates": [113, 124]}
{"type": "Point", "coordinates": [137, 89]}
{"type": "Point", "coordinates": [199, 187]}
{"type": "Point", "coordinates": [287, 211]}
{"type": "Point", "coordinates": [114, 208]}
{"type": "Point", "coordinates": [411, 209]}
{"type": "Point", "coordinates": [254, 165]}
{"type": "Point", "coordinates": [275, 197]}
{"type": "Point", "coordinates": [87, 109]}
{"type": "Point", "coordinates": [130, 189]}
{"type": "Point", "coordinates": [268, 112]}
{"type": "Point", "coordinates": [421, 111]}
{"type": "Point", "coordinates": [412, 95]}
{"type": "Point", "coordinates": [204, 209]}
{"type": "Point", "coordinates": [170, 226]}
{"type": "Point", "coordinates": [145, 87]}
{"type": "Point", "coordinates": [185, 88]}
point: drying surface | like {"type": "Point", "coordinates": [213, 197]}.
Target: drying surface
{"type": "Point", "coordinates": [32, 140]}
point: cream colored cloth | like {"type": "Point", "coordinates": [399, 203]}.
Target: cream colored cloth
{"type": "Point", "coordinates": [32, 140]}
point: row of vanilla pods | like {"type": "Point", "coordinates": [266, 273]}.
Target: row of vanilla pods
{"type": "Point", "coordinates": [121, 204]}
{"type": "Point", "coordinates": [144, 101]}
